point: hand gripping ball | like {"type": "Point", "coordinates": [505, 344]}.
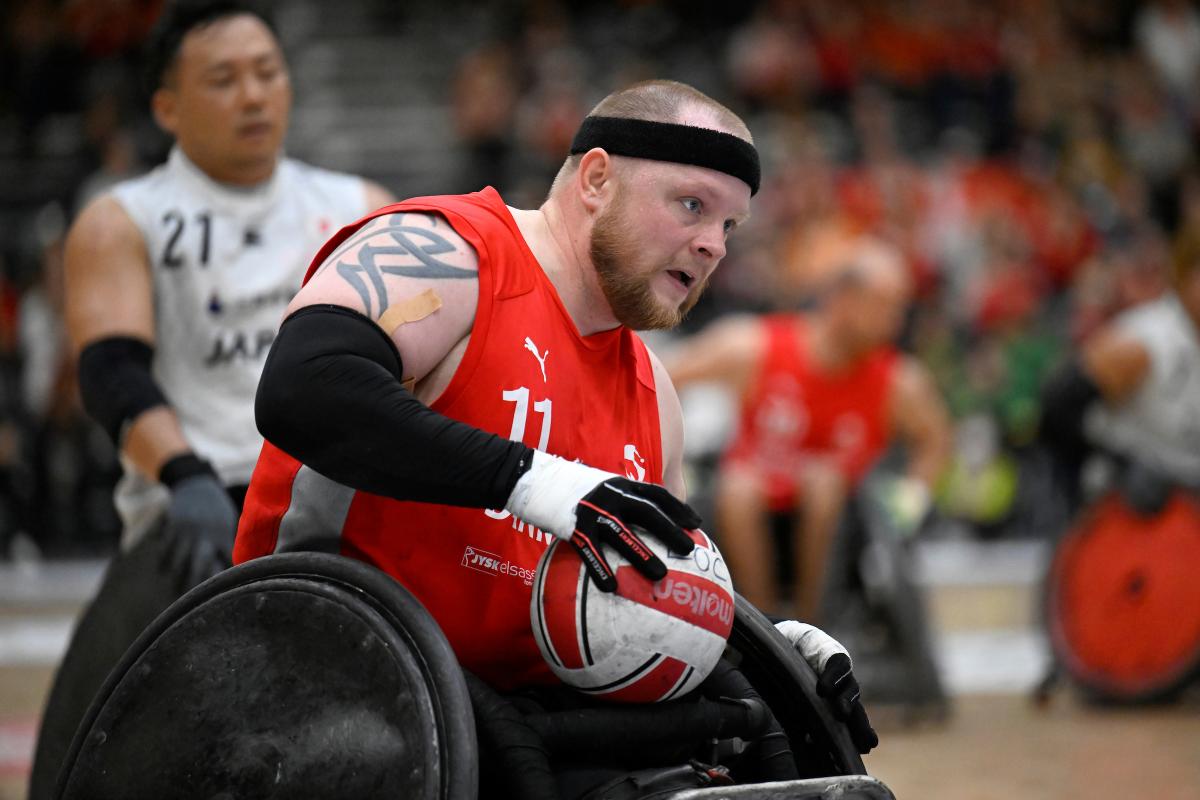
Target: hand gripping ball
{"type": "Point", "coordinates": [645, 643]}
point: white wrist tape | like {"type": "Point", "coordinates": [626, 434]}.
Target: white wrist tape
{"type": "Point", "coordinates": [912, 498]}
{"type": "Point", "coordinates": [814, 644]}
{"type": "Point", "coordinates": [546, 495]}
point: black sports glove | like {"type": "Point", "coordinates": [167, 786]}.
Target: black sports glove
{"type": "Point", "coordinates": [590, 507]}
{"type": "Point", "coordinates": [835, 681]}
{"type": "Point", "coordinates": [615, 512]}
{"type": "Point", "coordinates": [1145, 488]}
{"type": "Point", "coordinates": [837, 684]}
{"type": "Point", "coordinates": [200, 523]}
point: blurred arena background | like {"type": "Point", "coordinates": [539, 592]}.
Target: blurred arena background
{"type": "Point", "coordinates": [1035, 161]}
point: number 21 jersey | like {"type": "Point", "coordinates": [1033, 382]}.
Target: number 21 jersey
{"type": "Point", "coordinates": [225, 261]}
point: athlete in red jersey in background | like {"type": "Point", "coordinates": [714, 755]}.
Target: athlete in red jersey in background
{"type": "Point", "coordinates": [437, 342]}
{"type": "Point", "coordinates": [822, 394]}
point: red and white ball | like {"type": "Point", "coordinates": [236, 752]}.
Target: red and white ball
{"type": "Point", "coordinates": [645, 643]}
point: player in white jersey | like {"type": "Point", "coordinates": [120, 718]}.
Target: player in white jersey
{"type": "Point", "coordinates": [176, 283]}
{"type": "Point", "coordinates": [224, 264]}
{"type": "Point", "coordinates": [1134, 393]}
{"type": "Point", "coordinates": [1159, 424]}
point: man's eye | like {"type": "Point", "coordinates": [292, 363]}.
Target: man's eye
{"type": "Point", "coordinates": [730, 225]}
{"type": "Point", "coordinates": [268, 70]}
{"type": "Point", "coordinates": [691, 204]}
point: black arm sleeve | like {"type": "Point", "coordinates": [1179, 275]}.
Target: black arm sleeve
{"type": "Point", "coordinates": [116, 384]}
{"type": "Point", "coordinates": [330, 396]}
{"type": "Point", "coordinates": [1065, 399]}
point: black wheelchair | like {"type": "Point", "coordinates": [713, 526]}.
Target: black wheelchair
{"type": "Point", "coordinates": [872, 602]}
{"type": "Point", "coordinates": [874, 606]}
{"type": "Point", "coordinates": [313, 675]}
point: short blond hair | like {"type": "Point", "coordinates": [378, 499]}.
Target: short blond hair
{"type": "Point", "coordinates": [668, 101]}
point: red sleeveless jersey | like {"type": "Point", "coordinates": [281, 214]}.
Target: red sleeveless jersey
{"type": "Point", "coordinates": [526, 374]}
{"type": "Point", "coordinates": [795, 411]}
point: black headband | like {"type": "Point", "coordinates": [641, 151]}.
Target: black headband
{"type": "Point", "coordinates": [666, 141]}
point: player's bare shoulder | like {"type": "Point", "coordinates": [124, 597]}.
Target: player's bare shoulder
{"type": "Point", "coordinates": [664, 386]}
{"type": "Point", "coordinates": [670, 419]}
{"type": "Point", "coordinates": [383, 262]}
{"type": "Point", "coordinates": [107, 271]}
{"type": "Point", "coordinates": [413, 274]}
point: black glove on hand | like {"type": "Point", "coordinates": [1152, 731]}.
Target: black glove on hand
{"type": "Point", "coordinates": [1146, 489]}
{"type": "Point", "coordinates": [837, 684]}
{"type": "Point", "coordinates": [200, 523]}
{"type": "Point", "coordinates": [590, 507]}
{"type": "Point", "coordinates": [613, 511]}
{"type": "Point", "coordinates": [835, 681]}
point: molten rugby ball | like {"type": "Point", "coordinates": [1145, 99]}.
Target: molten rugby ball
{"type": "Point", "coordinates": [645, 643]}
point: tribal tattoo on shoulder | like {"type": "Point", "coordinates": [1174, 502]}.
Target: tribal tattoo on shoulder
{"type": "Point", "coordinates": [413, 252]}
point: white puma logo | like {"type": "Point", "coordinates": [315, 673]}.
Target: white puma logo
{"type": "Point", "coordinates": [531, 347]}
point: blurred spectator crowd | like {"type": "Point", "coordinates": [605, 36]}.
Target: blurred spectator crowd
{"type": "Point", "coordinates": [1033, 158]}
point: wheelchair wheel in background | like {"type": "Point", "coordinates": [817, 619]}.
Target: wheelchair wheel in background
{"type": "Point", "coordinates": [1123, 600]}
{"type": "Point", "coordinates": [874, 606]}
{"type": "Point", "coordinates": [820, 743]}
{"type": "Point", "coordinates": [295, 675]}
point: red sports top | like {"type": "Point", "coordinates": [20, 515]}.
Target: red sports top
{"type": "Point", "coordinates": [795, 410]}
{"type": "Point", "coordinates": [527, 374]}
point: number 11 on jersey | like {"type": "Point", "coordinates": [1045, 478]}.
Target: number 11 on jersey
{"type": "Point", "coordinates": [520, 398]}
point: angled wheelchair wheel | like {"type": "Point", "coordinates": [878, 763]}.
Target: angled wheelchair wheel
{"type": "Point", "coordinates": [1123, 601]}
{"type": "Point", "coordinates": [821, 744]}
{"type": "Point", "coordinates": [294, 675]}
{"type": "Point", "coordinates": [873, 604]}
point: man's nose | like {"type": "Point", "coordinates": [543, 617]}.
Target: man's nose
{"type": "Point", "coordinates": [253, 90]}
{"type": "Point", "coordinates": [710, 243]}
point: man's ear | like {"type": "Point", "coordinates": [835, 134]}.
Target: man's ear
{"type": "Point", "coordinates": [164, 104]}
{"type": "Point", "coordinates": [594, 179]}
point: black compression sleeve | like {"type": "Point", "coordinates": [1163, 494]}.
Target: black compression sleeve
{"type": "Point", "coordinates": [330, 396]}
{"type": "Point", "coordinates": [115, 382]}
{"type": "Point", "coordinates": [1065, 399]}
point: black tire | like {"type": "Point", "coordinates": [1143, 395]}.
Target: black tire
{"type": "Point", "coordinates": [302, 674]}
{"type": "Point", "coordinates": [903, 607]}
{"type": "Point", "coordinates": [900, 667]}
{"type": "Point", "coordinates": [820, 743]}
